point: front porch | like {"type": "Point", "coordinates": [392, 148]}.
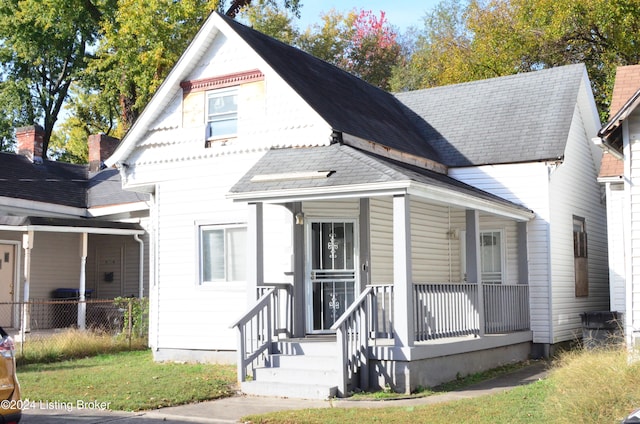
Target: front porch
{"type": "Point", "coordinates": [406, 266]}
{"type": "Point", "coordinates": [455, 333]}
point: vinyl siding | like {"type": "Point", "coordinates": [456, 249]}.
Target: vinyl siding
{"type": "Point", "coordinates": [575, 191]}
{"type": "Point", "coordinates": [526, 184]}
{"type": "Point", "coordinates": [632, 172]}
{"type": "Point", "coordinates": [616, 234]}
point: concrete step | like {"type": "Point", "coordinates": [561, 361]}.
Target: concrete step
{"type": "Point", "coordinates": [289, 390]}
{"type": "Point", "coordinates": [317, 347]}
{"type": "Point", "coordinates": [324, 377]}
{"type": "Point", "coordinates": [304, 362]}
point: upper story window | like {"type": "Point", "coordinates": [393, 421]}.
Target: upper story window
{"type": "Point", "coordinates": [222, 113]}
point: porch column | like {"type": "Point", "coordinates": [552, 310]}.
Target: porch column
{"type": "Point", "coordinates": [298, 300]}
{"type": "Point", "coordinates": [82, 306]}
{"type": "Point", "coordinates": [255, 253]}
{"type": "Point", "coordinates": [27, 245]}
{"type": "Point", "coordinates": [402, 277]}
{"type": "Point", "coordinates": [474, 271]}
{"type": "Point", "coordinates": [523, 254]}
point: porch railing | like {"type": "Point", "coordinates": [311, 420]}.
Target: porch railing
{"type": "Point", "coordinates": [506, 308]}
{"type": "Point", "coordinates": [258, 327]}
{"type": "Point", "coordinates": [445, 310]}
{"type": "Point", "coordinates": [352, 337]}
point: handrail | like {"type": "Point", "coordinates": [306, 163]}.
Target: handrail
{"type": "Point", "coordinates": [255, 331]}
{"type": "Point", "coordinates": [352, 337]}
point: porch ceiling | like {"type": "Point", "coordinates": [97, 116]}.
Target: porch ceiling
{"type": "Point", "coordinates": [340, 171]}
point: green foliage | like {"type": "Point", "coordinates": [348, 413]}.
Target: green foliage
{"type": "Point", "coordinates": [43, 50]}
{"type": "Point", "coordinates": [465, 40]}
{"type": "Point", "coordinates": [271, 20]}
{"type": "Point", "coordinates": [129, 381]}
{"type": "Point", "coordinates": [136, 314]}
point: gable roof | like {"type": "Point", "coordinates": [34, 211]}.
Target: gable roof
{"type": "Point", "coordinates": [517, 118]}
{"type": "Point", "coordinates": [59, 183]}
{"type": "Point", "coordinates": [343, 170]}
{"type": "Point", "coordinates": [349, 104]}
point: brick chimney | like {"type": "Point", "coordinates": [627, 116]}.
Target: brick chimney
{"type": "Point", "coordinates": [101, 146]}
{"type": "Point", "coordinates": [30, 142]}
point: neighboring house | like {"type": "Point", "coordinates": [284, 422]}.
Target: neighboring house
{"type": "Point", "coordinates": [66, 226]}
{"type": "Point", "coordinates": [619, 174]}
{"type": "Point", "coordinates": [391, 240]}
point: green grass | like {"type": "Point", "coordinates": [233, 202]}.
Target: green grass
{"type": "Point", "coordinates": [128, 381]}
{"type": "Point", "coordinates": [583, 387]}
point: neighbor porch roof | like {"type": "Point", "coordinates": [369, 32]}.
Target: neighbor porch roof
{"type": "Point", "coordinates": [68, 225]}
{"type": "Point", "coordinates": [339, 171]}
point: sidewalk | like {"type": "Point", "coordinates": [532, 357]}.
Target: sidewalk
{"type": "Point", "coordinates": [230, 410]}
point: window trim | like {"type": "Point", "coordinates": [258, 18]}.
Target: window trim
{"type": "Point", "coordinates": [200, 229]}
{"type": "Point", "coordinates": [220, 92]}
{"type": "Point", "coordinates": [503, 253]}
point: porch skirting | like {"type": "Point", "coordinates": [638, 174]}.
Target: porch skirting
{"type": "Point", "coordinates": [429, 364]}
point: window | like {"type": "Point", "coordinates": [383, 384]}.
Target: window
{"type": "Point", "coordinates": [491, 256]}
{"type": "Point", "coordinates": [223, 253]}
{"type": "Point", "coordinates": [580, 257]}
{"type": "Point", "coordinates": [492, 259]}
{"type": "Point", "coordinates": [222, 113]}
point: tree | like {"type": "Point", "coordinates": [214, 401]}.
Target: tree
{"type": "Point", "coordinates": [470, 40]}
{"type": "Point", "coordinates": [359, 42]}
{"type": "Point", "coordinates": [43, 50]}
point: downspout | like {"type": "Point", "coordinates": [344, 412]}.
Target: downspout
{"type": "Point", "coordinates": [137, 238]}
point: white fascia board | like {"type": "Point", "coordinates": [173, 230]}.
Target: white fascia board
{"type": "Point", "coordinates": [169, 87]}
{"type": "Point", "coordinates": [117, 209]}
{"type": "Point", "coordinates": [612, 180]}
{"type": "Point", "coordinates": [78, 230]}
{"type": "Point", "coordinates": [319, 193]}
{"type": "Point", "coordinates": [32, 207]}
{"type": "Point", "coordinates": [466, 201]}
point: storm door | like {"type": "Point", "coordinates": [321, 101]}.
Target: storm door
{"type": "Point", "coordinates": [331, 263]}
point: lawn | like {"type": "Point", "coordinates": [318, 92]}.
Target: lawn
{"type": "Point", "coordinates": [127, 381]}
{"type": "Point", "coordinates": [583, 387]}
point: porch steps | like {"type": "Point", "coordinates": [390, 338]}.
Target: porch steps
{"type": "Point", "coordinates": [301, 369]}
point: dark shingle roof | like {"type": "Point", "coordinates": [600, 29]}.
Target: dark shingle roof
{"type": "Point", "coordinates": [60, 183]}
{"type": "Point", "coordinates": [349, 104]}
{"type": "Point", "coordinates": [349, 166]}
{"type": "Point", "coordinates": [517, 118]}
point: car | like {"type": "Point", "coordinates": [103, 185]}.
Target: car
{"type": "Point", "coordinates": [10, 401]}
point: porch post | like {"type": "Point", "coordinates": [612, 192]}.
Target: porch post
{"type": "Point", "coordinates": [474, 271]}
{"type": "Point", "coordinates": [523, 254]}
{"type": "Point", "coordinates": [27, 245]}
{"type": "Point", "coordinates": [255, 253]}
{"type": "Point", "coordinates": [402, 276]}
{"type": "Point", "coordinates": [82, 306]}
{"type": "Point", "coordinates": [298, 294]}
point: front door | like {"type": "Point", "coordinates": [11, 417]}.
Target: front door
{"type": "Point", "coordinates": [7, 282]}
{"type": "Point", "coordinates": [332, 257]}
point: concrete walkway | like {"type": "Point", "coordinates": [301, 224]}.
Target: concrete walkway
{"type": "Point", "coordinates": [230, 410]}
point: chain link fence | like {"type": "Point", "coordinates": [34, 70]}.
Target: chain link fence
{"type": "Point", "coordinates": [66, 328]}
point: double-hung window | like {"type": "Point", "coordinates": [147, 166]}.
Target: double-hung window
{"type": "Point", "coordinates": [223, 256]}
{"type": "Point", "coordinates": [222, 113]}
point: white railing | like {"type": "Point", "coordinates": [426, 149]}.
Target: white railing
{"type": "Point", "coordinates": [506, 308]}
{"type": "Point", "coordinates": [445, 310]}
{"type": "Point", "coordinates": [258, 327]}
{"type": "Point", "coordinates": [381, 323]}
{"type": "Point", "coordinates": [352, 337]}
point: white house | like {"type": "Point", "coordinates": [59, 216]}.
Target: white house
{"type": "Point", "coordinates": [619, 175]}
{"type": "Point", "coordinates": [303, 219]}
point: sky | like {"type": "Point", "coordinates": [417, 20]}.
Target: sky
{"type": "Point", "coordinates": [401, 14]}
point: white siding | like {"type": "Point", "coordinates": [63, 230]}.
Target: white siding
{"type": "Point", "coordinates": [616, 234]}
{"type": "Point", "coordinates": [525, 184]}
{"type": "Point", "coordinates": [632, 172]}
{"type": "Point", "coordinates": [575, 191]}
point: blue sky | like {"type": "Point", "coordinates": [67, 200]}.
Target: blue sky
{"type": "Point", "coordinates": [401, 14]}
